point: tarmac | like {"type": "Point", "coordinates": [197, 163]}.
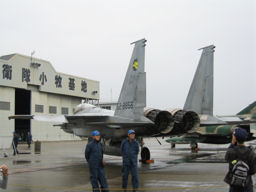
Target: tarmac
{"type": "Point", "coordinates": [61, 166]}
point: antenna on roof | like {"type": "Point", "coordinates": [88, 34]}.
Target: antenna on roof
{"type": "Point", "coordinates": [32, 53]}
{"type": "Point", "coordinates": [34, 64]}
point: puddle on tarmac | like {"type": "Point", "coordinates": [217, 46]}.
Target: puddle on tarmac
{"type": "Point", "coordinates": [189, 158]}
{"type": "Point", "coordinates": [21, 162]}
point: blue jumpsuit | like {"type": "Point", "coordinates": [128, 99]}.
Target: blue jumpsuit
{"type": "Point", "coordinates": [94, 157]}
{"type": "Point", "coordinates": [130, 151]}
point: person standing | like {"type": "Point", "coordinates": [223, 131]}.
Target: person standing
{"type": "Point", "coordinates": [94, 157]}
{"type": "Point", "coordinates": [29, 139]}
{"type": "Point", "coordinates": [15, 143]}
{"type": "Point", "coordinates": [130, 151]}
{"type": "Point", "coordinates": [4, 179]}
{"type": "Point", "coordinates": [242, 163]}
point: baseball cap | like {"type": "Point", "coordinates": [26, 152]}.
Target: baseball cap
{"type": "Point", "coordinates": [95, 133]}
{"type": "Point", "coordinates": [131, 131]}
{"type": "Point", "coordinates": [241, 134]}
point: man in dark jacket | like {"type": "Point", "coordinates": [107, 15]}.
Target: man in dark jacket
{"type": "Point", "coordinates": [94, 157]}
{"type": "Point", "coordinates": [15, 143]}
{"type": "Point", "coordinates": [129, 151]}
{"type": "Point", "coordinates": [237, 151]}
{"type": "Point", "coordinates": [29, 139]}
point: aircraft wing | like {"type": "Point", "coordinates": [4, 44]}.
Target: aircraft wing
{"type": "Point", "coordinates": [107, 121]}
{"type": "Point", "coordinates": [89, 119]}
{"type": "Point", "coordinates": [60, 118]}
{"type": "Point", "coordinates": [185, 140]}
{"type": "Point", "coordinates": [247, 117]}
{"type": "Point", "coordinates": [207, 120]}
{"type": "Point", "coordinates": [45, 118]}
{"type": "Point", "coordinates": [228, 122]}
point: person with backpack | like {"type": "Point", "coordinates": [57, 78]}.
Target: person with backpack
{"type": "Point", "coordinates": [242, 163]}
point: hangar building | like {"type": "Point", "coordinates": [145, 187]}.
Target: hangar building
{"type": "Point", "coordinates": [32, 86]}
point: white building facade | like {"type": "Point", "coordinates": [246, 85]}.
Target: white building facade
{"type": "Point", "coordinates": [32, 86]}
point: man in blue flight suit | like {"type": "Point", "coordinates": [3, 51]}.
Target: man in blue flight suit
{"type": "Point", "coordinates": [130, 151]}
{"type": "Point", "coordinates": [94, 157]}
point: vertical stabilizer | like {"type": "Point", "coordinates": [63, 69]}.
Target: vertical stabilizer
{"type": "Point", "coordinates": [132, 99]}
{"type": "Point", "coordinates": [200, 96]}
{"type": "Point", "coordinates": [251, 109]}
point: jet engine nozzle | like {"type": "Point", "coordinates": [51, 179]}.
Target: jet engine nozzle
{"type": "Point", "coordinates": [185, 121]}
{"type": "Point", "coordinates": [163, 120]}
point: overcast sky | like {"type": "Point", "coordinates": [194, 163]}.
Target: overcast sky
{"type": "Point", "coordinates": [91, 38]}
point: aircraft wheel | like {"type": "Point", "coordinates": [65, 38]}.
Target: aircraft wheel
{"type": "Point", "coordinates": [145, 154]}
{"type": "Point", "coordinates": [173, 145]}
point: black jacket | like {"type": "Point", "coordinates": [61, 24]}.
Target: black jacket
{"type": "Point", "coordinates": [15, 139]}
{"type": "Point", "coordinates": [243, 153]}
{"type": "Point", "coordinates": [94, 154]}
{"type": "Point", "coordinates": [129, 151]}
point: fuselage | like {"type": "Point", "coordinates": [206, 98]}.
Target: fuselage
{"type": "Point", "coordinates": [88, 118]}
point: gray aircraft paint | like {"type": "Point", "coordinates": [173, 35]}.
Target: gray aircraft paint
{"type": "Point", "coordinates": [200, 97]}
{"type": "Point", "coordinates": [132, 99]}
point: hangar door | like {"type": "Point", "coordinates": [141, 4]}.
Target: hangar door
{"type": "Point", "coordinates": [22, 107]}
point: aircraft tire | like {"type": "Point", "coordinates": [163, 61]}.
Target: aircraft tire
{"type": "Point", "coordinates": [145, 154]}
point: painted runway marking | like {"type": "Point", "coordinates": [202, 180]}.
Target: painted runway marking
{"type": "Point", "coordinates": [118, 189]}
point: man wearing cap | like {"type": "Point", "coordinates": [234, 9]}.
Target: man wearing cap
{"type": "Point", "coordinates": [94, 157]}
{"type": "Point", "coordinates": [237, 151]}
{"type": "Point", "coordinates": [130, 151]}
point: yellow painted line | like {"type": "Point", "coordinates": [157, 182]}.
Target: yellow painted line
{"type": "Point", "coordinates": [113, 189]}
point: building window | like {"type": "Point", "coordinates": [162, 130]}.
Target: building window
{"type": "Point", "coordinates": [39, 108]}
{"type": "Point", "coordinates": [64, 111]}
{"type": "Point", "coordinates": [106, 107]}
{"type": "Point", "coordinates": [52, 109]}
{"type": "Point", "coordinates": [5, 105]}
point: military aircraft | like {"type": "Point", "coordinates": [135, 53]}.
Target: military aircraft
{"type": "Point", "coordinates": [200, 100]}
{"type": "Point", "coordinates": [129, 114]}
{"type": "Point", "coordinates": [221, 134]}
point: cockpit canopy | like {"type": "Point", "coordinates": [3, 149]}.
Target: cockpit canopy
{"type": "Point", "coordinates": [84, 107]}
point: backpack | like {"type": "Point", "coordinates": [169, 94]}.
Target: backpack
{"type": "Point", "coordinates": [240, 173]}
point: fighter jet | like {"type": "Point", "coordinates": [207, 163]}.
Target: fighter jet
{"type": "Point", "coordinates": [130, 113]}
{"type": "Point", "coordinates": [221, 134]}
{"type": "Point", "coordinates": [200, 100]}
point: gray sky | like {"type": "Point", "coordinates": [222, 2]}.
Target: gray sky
{"type": "Point", "coordinates": [92, 39]}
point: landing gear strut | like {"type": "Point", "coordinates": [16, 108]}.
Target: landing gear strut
{"type": "Point", "coordinates": [194, 147]}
